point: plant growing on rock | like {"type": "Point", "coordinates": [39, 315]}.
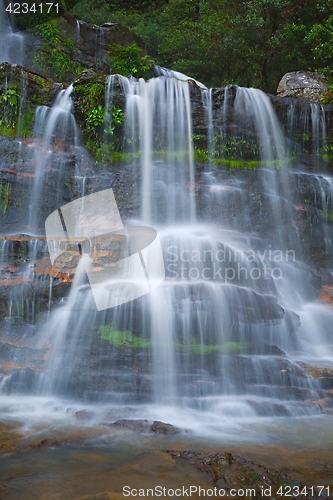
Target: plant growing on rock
{"type": "Point", "coordinates": [95, 117]}
{"type": "Point", "coordinates": [9, 108]}
{"type": "Point", "coordinates": [129, 61]}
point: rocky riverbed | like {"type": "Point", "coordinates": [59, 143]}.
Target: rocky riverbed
{"type": "Point", "coordinates": [84, 461]}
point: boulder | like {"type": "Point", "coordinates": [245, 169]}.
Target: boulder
{"type": "Point", "coordinates": [303, 85]}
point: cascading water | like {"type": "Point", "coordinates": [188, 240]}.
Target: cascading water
{"type": "Point", "coordinates": [225, 329]}
{"type": "Point", "coordinates": [158, 128]}
{"type": "Point", "coordinates": [56, 138]}
{"type": "Point", "coordinates": [256, 107]}
{"type": "Point", "coordinates": [11, 44]}
{"type": "Point", "coordinates": [306, 131]}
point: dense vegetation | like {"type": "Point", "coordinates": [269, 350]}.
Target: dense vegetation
{"type": "Point", "coordinates": [248, 42]}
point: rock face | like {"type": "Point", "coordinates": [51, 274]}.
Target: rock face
{"type": "Point", "coordinates": [302, 84]}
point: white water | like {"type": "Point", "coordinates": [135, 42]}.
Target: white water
{"type": "Point", "coordinates": [11, 44]}
{"type": "Point", "coordinates": [179, 76]}
{"type": "Point", "coordinates": [158, 130]}
{"type": "Point", "coordinates": [56, 137]}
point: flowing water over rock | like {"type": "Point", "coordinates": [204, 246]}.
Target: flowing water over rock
{"type": "Point", "coordinates": [229, 332]}
{"type": "Point", "coordinates": [11, 43]}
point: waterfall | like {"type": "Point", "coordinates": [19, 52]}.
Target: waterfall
{"type": "Point", "coordinates": [78, 31]}
{"type": "Point", "coordinates": [318, 125]}
{"type": "Point", "coordinates": [225, 331]}
{"type": "Point", "coordinates": [176, 74]}
{"type": "Point", "coordinates": [208, 105]}
{"type": "Point", "coordinates": [306, 131]}
{"type": "Point", "coordinates": [61, 321]}
{"type": "Point", "coordinates": [56, 137]}
{"type": "Point", "coordinates": [11, 44]}
{"type": "Point", "coordinates": [254, 107]}
{"type": "Point", "coordinates": [99, 45]}
{"type": "Point", "coordinates": [158, 129]}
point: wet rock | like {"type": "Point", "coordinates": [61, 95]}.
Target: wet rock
{"type": "Point", "coordinates": [37, 88]}
{"type": "Point", "coordinates": [132, 425]}
{"type": "Point", "coordinates": [46, 443]}
{"type": "Point", "coordinates": [10, 436]}
{"type": "Point", "coordinates": [162, 428]}
{"type": "Point", "coordinates": [84, 415]}
{"type": "Point", "coordinates": [273, 350]}
{"type": "Point", "coordinates": [326, 277]}
{"type": "Point", "coordinates": [229, 471]}
{"type": "Point", "coordinates": [324, 375]}
{"type": "Point", "coordinates": [303, 84]}
{"type": "Point", "coordinates": [91, 42]}
{"type": "Point", "coordinates": [144, 426]}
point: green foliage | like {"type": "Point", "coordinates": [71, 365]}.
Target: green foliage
{"type": "Point", "coordinates": [17, 113]}
{"type": "Point", "coordinates": [328, 98]}
{"type": "Point", "coordinates": [90, 100]}
{"type": "Point", "coordinates": [89, 95]}
{"type": "Point", "coordinates": [9, 108]}
{"type": "Point", "coordinates": [5, 190]}
{"type": "Point", "coordinates": [34, 19]}
{"type": "Point", "coordinates": [128, 60]}
{"type": "Point", "coordinates": [53, 55]}
{"type": "Point", "coordinates": [113, 120]}
{"type": "Point", "coordinates": [251, 42]}
{"type": "Point", "coordinates": [102, 127]}
{"type": "Point", "coordinates": [47, 31]}
{"type": "Point", "coordinates": [95, 117]}
{"type": "Point", "coordinates": [233, 151]}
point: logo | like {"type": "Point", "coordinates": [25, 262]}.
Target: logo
{"type": "Point", "coordinates": [122, 263]}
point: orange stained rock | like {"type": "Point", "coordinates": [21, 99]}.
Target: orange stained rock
{"type": "Point", "coordinates": [326, 295]}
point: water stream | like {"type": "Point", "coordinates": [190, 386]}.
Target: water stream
{"type": "Point", "coordinates": [11, 43]}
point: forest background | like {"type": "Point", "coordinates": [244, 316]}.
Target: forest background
{"type": "Point", "coordinates": [251, 43]}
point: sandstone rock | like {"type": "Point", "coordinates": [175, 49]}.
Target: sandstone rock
{"type": "Point", "coordinates": [302, 84]}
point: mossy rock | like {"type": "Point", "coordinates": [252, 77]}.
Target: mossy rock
{"type": "Point", "coordinates": [90, 112]}
{"type": "Point", "coordinates": [21, 91]}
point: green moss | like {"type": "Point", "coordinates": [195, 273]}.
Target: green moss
{"type": "Point", "coordinates": [238, 164]}
{"type": "Point", "coordinates": [8, 131]}
{"type": "Point", "coordinates": [196, 347]}
{"type": "Point", "coordinates": [54, 54]}
{"type": "Point", "coordinates": [121, 338]}
{"type": "Point", "coordinates": [126, 338]}
{"type": "Point", "coordinates": [201, 156]}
